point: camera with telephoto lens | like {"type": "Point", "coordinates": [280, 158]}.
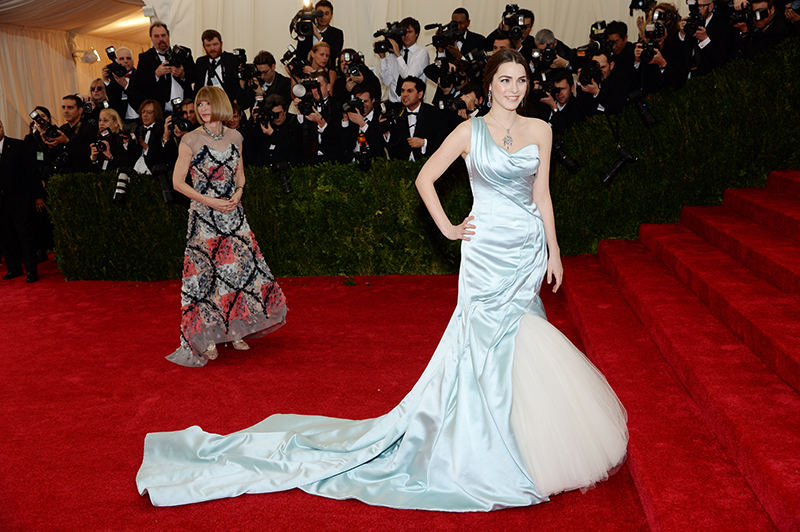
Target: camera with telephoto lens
{"type": "Point", "coordinates": [652, 32]}
{"type": "Point", "coordinates": [50, 130]}
{"type": "Point", "coordinates": [641, 5]}
{"type": "Point", "coordinates": [353, 64]}
{"type": "Point", "coordinates": [161, 175]}
{"type": "Point", "coordinates": [591, 73]}
{"type": "Point", "coordinates": [514, 21]}
{"type": "Point", "coordinates": [355, 105]}
{"type": "Point", "coordinates": [447, 35]}
{"type": "Point", "coordinates": [748, 15]}
{"type": "Point", "coordinates": [544, 57]}
{"type": "Point", "coordinates": [295, 63]}
{"type": "Point", "coordinates": [114, 67]}
{"type": "Point", "coordinates": [393, 31]}
{"type": "Point", "coordinates": [302, 89]}
{"type": "Point", "coordinates": [389, 117]}
{"type": "Point", "coordinates": [179, 120]}
{"type": "Point", "coordinates": [177, 56]}
{"type": "Point", "coordinates": [103, 136]}
{"type": "Point", "coordinates": [303, 22]}
{"type": "Point", "coordinates": [123, 178]}
{"type": "Point", "coordinates": [546, 86]}
{"type": "Point", "coordinates": [561, 156]}
{"type": "Point", "coordinates": [245, 70]}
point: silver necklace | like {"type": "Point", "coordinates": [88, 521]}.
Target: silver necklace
{"type": "Point", "coordinates": [508, 140]}
{"type": "Point", "coordinates": [215, 136]}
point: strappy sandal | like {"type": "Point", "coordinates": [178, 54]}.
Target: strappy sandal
{"type": "Point", "coordinates": [211, 352]}
{"type": "Point", "coordinates": [240, 345]}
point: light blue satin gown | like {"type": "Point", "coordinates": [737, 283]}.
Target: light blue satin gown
{"type": "Point", "coordinates": [449, 445]}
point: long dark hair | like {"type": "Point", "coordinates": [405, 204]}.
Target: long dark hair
{"type": "Point", "coordinates": [501, 57]}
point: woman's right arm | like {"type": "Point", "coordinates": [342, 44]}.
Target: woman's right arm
{"type": "Point", "coordinates": [180, 185]}
{"type": "Point", "coordinates": [457, 143]}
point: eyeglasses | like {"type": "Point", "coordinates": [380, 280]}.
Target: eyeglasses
{"type": "Point", "coordinates": [147, 111]}
{"type": "Point", "coordinates": [97, 89]}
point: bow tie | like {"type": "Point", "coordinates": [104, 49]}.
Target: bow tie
{"type": "Point", "coordinates": [412, 112]}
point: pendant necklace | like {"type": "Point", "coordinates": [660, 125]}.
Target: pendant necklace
{"type": "Point", "coordinates": [217, 136]}
{"type": "Point", "coordinates": [508, 140]}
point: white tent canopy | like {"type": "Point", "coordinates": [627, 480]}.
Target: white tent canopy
{"type": "Point", "coordinates": [39, 37]}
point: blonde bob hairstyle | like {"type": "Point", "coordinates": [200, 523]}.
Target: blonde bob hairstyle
{"type": "Point", "coordinates": [221, 110]}
{"type": "Point", "coordinates": [115, 117]}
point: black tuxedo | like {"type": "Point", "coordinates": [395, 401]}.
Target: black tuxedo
{"type": "Point", "coordinates": [613, 94]}
{"type": "Point", "coordinates": [280, 85]}
{"type": "Point", "coordinates": [701, 61]}
{"type": "Point", "coordinates": [267, 150]}
{"type": "Point", "coordinates": [624, 65]}
{"type": "Point", "coordinates": [650, 78]}
{"type": "Point", "coordinates": [78, 149]}
{"type": "Point", "coordinates": [430, 127]}
{"type": "Point", "coordinates": [472, 41]}
{"type": "Point", "coordinates": [333, 36]}
{"type": "Point", "coordinates": [759, 40]}
{"type": "Point", "coordinates": [230, 78]}
{"type": "Point", "coordinates": [567, 117]}
{"type": "Point", "coordinates": [119, 98]}
{"type": "Point", "coordinates": [19, 189]}
{"type": "Point", "coordinates": [329, 141]}
{"type": "Point", "coordinates": [374, 137]}
{"type": "Point", "coordinates": [147, 86]}
{"type": "Point", "coordinates": [156, 153]}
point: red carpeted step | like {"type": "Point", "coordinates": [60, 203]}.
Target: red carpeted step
{"type": "Point", "coordinates": [684, 479]}
{"type": "Point", "coordinates": [754, 413]}
{"type": "Point", "coordinates": [784, 182]}
{"type": "Point", "coordinates": [771, 255]}
{"type": "Point", "coordinates": [767, 319]}
{"type": "Point", "coordinates": [777, 211]}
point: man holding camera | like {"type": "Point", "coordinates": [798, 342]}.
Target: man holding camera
{"type": "Point", "coordinates": [71, 148]}
{"type": "Point", "coordinates": [20, 192]}
{"type": "Point", "coordinates": [320, 120]}
{"type": "Point", "coordinates": [622, 51]}
{"type": "Point", "coordinates": [323, 31]}
{"type": "Point", "coordinates": [525, 44]}
{"type": "Point", "coordinates": [274, 133]}
{"type": "Point", "coordinates": [356, 123]}
{"type": "Point", "coordinates": [658, 62]}
{"type": "Point", "coordinates": [562, 110]}
{"type": "Point", "coordinates": [117, 86]}
{"type": "Point", "coordinates": [467, 40]}
{"type": "Point", "coordinates": [422, 129]}
{"type": "Point", "coordinates": [410, 61]}
{"type": "Point", "coordinates": [601, 91]}
{"type": "Point", "coordinates": [353, 72]}
{"type": "Point", "coordinates": [217, 68]}
{"type": "Point", "coordinates": [763, 31]}
{"type": "Point", "coordinates": [269, 82]}
{"type": "Point", "coordinates": [710, 38]}
{"type": "Point", "coordinates": [545, 40]}
{"type": "Point", "coordinates": [159, 80]}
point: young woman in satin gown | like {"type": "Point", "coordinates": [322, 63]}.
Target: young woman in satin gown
{"type": "Point", "coordinates": [508, 411]}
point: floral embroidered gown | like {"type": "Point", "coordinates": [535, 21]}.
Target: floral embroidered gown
{"type": "Point", "coordinates": [228, 292]}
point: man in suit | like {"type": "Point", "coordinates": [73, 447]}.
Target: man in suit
{"type": "Point", "coordinates": [117, 86]}
{"type": "Point", "coordinates": [217, 68]}
{"type": "Point", "coordinates": [269, 82]}
{"type": "Point", "coordinates": [467, 40]}
{"type": "Point", "coordinates": [19, 192]}
{"type": "Point", "coordinates": [545, 39]}
{"type": "Point", "coordinates": [70, 151]}
{"type": "Point", "coordinates": [322, 125]}
{"type": "Point", "coordinates": [279, 140]}
{"type": "Point", "coordinates": [355, 124]}
{"type": "Point", "coordinates": [711, 45]}
{"type": "Point", "coordinates": [561, 110]}
{"type": "Point", "coordinates": [156, 78]}
{"type": "Point", "coordinates": [606, 97]}
{"type": "Point", "coordinates": [526, 44]}
{"type": "Point", "coordinates": [622, 52]}
{"type": "Point", "coordinates": [422, 129]}
{"type": "Point", "coordinates": [323, 31]}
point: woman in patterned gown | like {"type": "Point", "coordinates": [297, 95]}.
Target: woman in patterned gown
{"type": "Point", "coordinates": [228, 292]}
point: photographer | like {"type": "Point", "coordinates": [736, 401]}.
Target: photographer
{"type": "Point", "coordinates": [42, 170]}
{"type": "Point", "coordinates": [96, 101]}
{"type": "Point", "coordinates": [410, 61]}
{"type": "Point", "coordinates": [523, 19]}
{"type": "Point", "coordinates": [356, 122]}
{"type": "Point", "coordinates": [450, 78]}
{"type": "Point", "coordinates": [320, 120]}
{"type": "Point", "coordinates": [269, 82]}
{"type": "Point", "coordinates": [600, 90]}
{"type": "Point", "coordinates": [545, 39]}
{"type": "Point", "coordinates": [352, 72]}
{"type": "Point", "coordinates": [710, 38]}
{"type": "Point", "coordinates": [323, 31]}
{"type": "Point", "coordinates": [178, 124]}
{"type": "Point", "coordinates": [422, 129]}
{"type": "Point", "coordinates": [157, 78]}
{"type": "Point", "coordinates": [117, 86]}
{"type": "Point", "coordinates": [658, 62]}
{"type": "Point", "coordinates": [149, 148]}
{"type": "Point", "coordinates": [501, 42]}
{"type": "Point", "coordinates": [108, 151]}
{"type": "Point", "coordinates": [468, 104]}
{"type": "Point", "coordinates": [467, 40]}
{"type": "Point", "coordinates": [622, 52]}
{"type": "Point", "coordinates": [217, 68]}
{"type": "Point", "coordinates": [70, 150]}
{"type": "Point", "coordinates": [792, 19]}
{"type": "Point", "coordinates": [561, 110]}
{"type": "Point", "coordinates": [763, 31]}
{"type": "Point", "coordinates": [273, 134]}
{"type": "Point", "coordinates": [663, 12]}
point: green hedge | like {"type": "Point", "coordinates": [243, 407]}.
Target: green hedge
{"type": "Point", "coordinates": [726, 130]}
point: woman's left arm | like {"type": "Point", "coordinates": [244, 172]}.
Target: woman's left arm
{"type": "Point", "coordinates": [541, 195]}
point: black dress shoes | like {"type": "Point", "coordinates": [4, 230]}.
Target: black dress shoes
{"type": "Point", "coordinates": [32, 277]}
{"type": "Point", "coordinates": [12, 275]}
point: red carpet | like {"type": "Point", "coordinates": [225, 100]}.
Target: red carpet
{"type": "Point", "coordinates": [696, 328]}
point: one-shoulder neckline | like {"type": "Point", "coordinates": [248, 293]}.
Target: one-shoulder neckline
{"type": "Point", "coordinates": [496, 145]}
